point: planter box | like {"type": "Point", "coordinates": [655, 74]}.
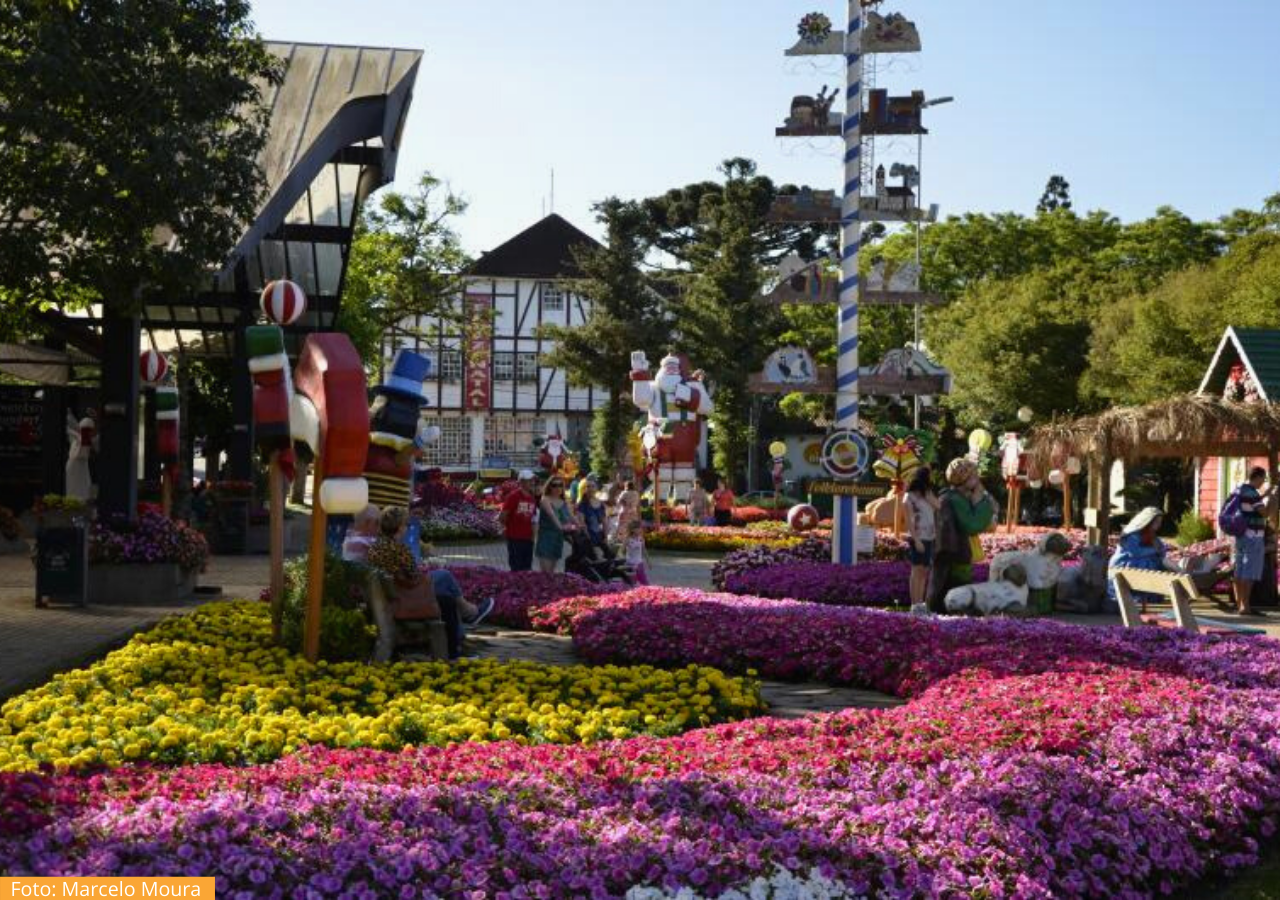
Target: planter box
{"type": "Point", "coordinates": [297, 531]}
{"type": "Point", "coordinates": [136, 584]}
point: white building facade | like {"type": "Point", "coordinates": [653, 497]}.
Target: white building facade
{"type": "Point", "coordinates": [492, 395]}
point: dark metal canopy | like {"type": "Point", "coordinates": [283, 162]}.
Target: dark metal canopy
{"type": "Point", "coordinates": [335, 126]}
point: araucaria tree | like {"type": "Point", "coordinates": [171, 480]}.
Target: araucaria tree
{"type": "Point", "coordinates": [626, 314]}
{"type": "Point", "coordinates": [722, 322]}
{"type": "Point", "coordinates": [128, 147]}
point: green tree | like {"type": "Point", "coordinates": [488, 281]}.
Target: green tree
{"type": "Point", "coordinates": [406, 262]}
{"type": "Point", "coordinates": [626, 314]}
{"type": "Point", "coordinates": [723, 324]}
{"type": "Point", "coordinates": [1158, 342]}
{"type": "Point", "coordinates": [1057, 195]}
{"type": "Point", "coordinates": [128, 147]}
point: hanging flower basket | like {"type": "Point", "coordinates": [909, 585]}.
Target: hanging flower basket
{"type": "Point", "coordinates": [814, 28]}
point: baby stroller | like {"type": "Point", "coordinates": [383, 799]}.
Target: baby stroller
{"type": "Point", "coordinates": [595, 562]}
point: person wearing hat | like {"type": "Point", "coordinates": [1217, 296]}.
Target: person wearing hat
{"type": "Point", "coordinates": [965, 511]}
{"type": "Point", "coordinates": [1139, 548]}
{"type": "Point", "coordinates": [517, 523]}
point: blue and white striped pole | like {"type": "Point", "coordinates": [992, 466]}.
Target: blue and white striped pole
{"type": "Point", "coordinates": [843, 543]}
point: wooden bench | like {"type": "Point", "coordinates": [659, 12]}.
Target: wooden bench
{"type": "Point", "coordinates": [1180, 590]}
{"type": "Point", "coordinates": [391, 630]}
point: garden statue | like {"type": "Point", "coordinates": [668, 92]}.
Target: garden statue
{"type": "Point", "coordinates": [1009, 594]}
{"type": "Point", "coordinates": [677, 403]}
{"type": "Point", "coordinates": [556, 459]}
{"type": "Point", "coordinates": [1083, 588]}
{"type": "Point", "coordinates": [1043, 568]}
{"type": "Point", "coordinates": [329, 414]}
{"type": "Point", "coordinates": [967, 511]}
{"type": "Point", "coordinates": [395, 432]}
{"type": "Point", "coordinates": [82, 437]}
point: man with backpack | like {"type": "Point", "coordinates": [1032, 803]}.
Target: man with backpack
{"type": "Point", "coordinates": [1244, 518]}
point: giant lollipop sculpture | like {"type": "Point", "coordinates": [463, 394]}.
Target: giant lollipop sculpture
{"type": "Point", "coordinates": [154, 370]}
{"type": "Point", "coordinates": [282, 303]}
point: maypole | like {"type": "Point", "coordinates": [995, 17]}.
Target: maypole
{"type": "Point", "coordinates": [843, 544]}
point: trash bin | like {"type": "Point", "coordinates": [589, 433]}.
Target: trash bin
{"type": "Point", "coordinates": [62, 565]}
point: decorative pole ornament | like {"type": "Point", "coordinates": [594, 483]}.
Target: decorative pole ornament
{"type": "Point", "coordinates": [283, 302]}
{"type": "Point", "coordinates": [844, 534]}
{"type": "Point", "coordinates": [153, 366]}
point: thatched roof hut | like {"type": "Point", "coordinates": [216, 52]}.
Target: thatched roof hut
{"type": "Point", "coordinates": [1187, 426]}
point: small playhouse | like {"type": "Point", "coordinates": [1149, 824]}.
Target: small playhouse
{"type": "Point", "coordinates": [1245, 369]}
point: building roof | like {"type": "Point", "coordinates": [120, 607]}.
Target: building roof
{"type": "Point", "coordinates": [333, 139]}
{"type": "Point", "coordinates": [543, 250]}
{"type": "Point", "coordinates": [1258, 349]}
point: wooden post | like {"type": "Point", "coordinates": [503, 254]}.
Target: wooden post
{"type": "Point", "coordinates": [166, 492]}
{"type": "Point", "coordinates": [275, 482]}
{"type": "Point", "coordinates": [1066, 498]}
{"type": "Point", "coordinates": [315, 566]}
{"type": "Point", "coordinates": [657, 504]}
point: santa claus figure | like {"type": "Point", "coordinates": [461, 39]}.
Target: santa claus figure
{"type": "Point", "coordinates": [677, 403]}
{"type": "Point", "coordinates": [82, 436]}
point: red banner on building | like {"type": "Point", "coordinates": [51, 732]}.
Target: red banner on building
{"type": "Point", "coordinates": [479, 344]}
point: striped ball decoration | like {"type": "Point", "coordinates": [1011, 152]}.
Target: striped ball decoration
{"type": "Point", "coordinates": [153, 366]}
{"type": "Point", "coordinates": [283, 302]}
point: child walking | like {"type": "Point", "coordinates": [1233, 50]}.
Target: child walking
{"type": "Point", "coordinates": [636, 557]}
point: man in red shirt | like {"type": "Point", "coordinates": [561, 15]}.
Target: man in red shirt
{"type": "Point", "coordinates": [517, 524]}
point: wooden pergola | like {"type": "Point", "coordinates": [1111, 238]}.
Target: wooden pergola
{"type": "Point", "coordinates": [1183, 427]}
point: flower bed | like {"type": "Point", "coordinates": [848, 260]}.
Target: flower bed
{"type": "Point", "coordinates": [867, 584]}
{"type": "Point", "coordinates": [460, 523]}
{"type": "Point", "coordinates": [151, 538]}
{"type": "Point", "coordinates": [703, 539]}
{"type": "Point", "coordinates": [208, 687]}
{"type": "Point", "coordinates": [810, 549]}
{"type": "Point", "coordinates": [516, 593]}
{"type": "Point", "coordinates": [1088, 780]}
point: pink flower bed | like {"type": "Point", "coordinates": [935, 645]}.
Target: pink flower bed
{"type": "Point", "coordinates": [1083, 780]}
{"type": "Point", "coordinates": [516, 593]}
{"type": "Point", "coordinates": [889, 652]}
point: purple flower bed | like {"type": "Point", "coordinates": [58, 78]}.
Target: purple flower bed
{"type": "Point", "coordinates": [151, 538]}
{"type": "Point", "coordinates": [867, 584]}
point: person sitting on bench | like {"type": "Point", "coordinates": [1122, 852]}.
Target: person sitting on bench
{"type": "Point", "coordinates": [1139, 548]}
{"type": "Point", "coordinates": [391, 556]}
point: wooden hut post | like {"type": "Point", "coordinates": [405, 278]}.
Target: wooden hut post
{"type": "Point", "coordinates": [1100, 498]}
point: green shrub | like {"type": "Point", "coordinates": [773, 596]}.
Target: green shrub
{"type": "Point", "coordinates": [345, 632]}
{"type": "Point", "coordinates": [1192, 529]}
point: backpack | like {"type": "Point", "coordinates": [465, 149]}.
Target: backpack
{"type": "Point", "coordinates": [1232, 520]}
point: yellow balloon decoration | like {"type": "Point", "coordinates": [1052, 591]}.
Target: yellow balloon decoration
{"type": "Point", "coordinates": [980, 440]}
{"type": "Point", "coordinates": [777, 448]}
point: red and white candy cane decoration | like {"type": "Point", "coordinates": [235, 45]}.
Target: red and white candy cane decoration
{"type": "Point", "coordinates": [153, 367]}
{"type": "Point", "coordinates": [283, 302]}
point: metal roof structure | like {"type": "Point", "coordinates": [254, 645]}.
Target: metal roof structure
{"type": "Point", "coordinates": [335, 124]}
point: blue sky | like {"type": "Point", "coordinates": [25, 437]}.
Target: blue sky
{"type": "Point", "coordinates": [1138, 103]}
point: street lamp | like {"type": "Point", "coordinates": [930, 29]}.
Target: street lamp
{"type": "Point", "coordinates": [915, 401]}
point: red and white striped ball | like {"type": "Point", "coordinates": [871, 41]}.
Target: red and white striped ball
{"type": "Point", "coordinates": [152, 366]}
{"type": "Point", "coordinates": [803, 517]}
{"type": "Point", "coordinates": [283, 302]}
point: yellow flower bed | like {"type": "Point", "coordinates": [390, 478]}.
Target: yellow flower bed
{"type": "Point", "coordinates": [699, 539]}
{"type": "Point", "coordinates": [207, 687]}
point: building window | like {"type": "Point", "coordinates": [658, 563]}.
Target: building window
{"type": "Point", "coordinates": [450, 366]}
{"type": "Point", "coordinates": [512, 437]}
{"type": "Point", "coordinates": [552, 298]}
{"type": "Point", "coordinates": [453, 448]}
{"type": "Point", "coordinates": [504, 365]}
{"type": "Point", "coordinates": [527, 367]}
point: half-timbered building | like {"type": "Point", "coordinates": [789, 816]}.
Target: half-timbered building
{"type": "Point", "coordinates": [493, 394]}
